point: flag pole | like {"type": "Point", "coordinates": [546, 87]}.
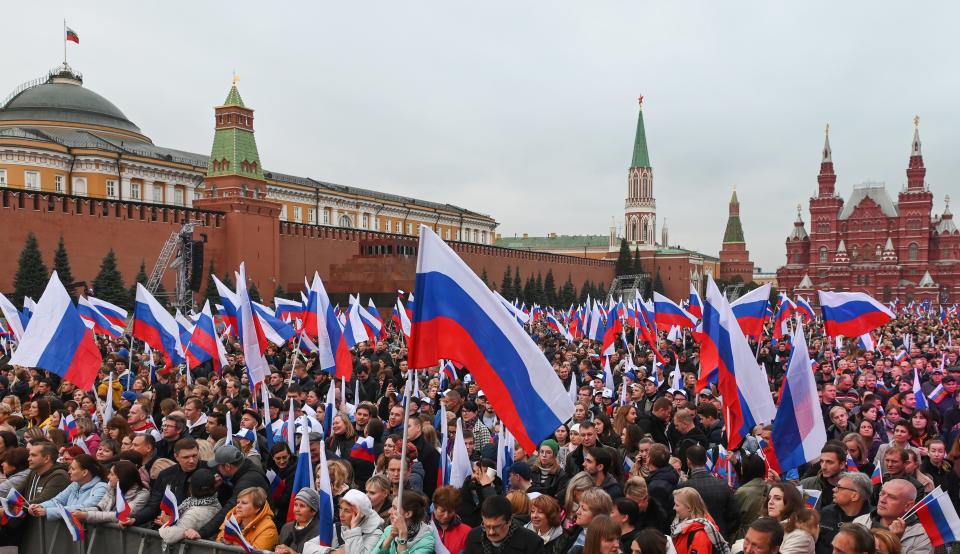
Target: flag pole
{"type": "Point", "coordinates": [403, 447]}
{"type": "Point", "coordinates": [64, 38]}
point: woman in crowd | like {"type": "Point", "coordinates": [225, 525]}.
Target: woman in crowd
{"type": "Point", "coordinates": [603, 537]}
{"type": "Point", "coordinates": [902, 434]}
{"type": "Point", "coordinates": [924, 428]}
{"type": "Point", "coordinates": [37, 413]}
{"type": "Point", "coordinates": [886, 541]}
{"type": "Point", "coordinates": [361, 527]}
{"type": "Point", "coordinates": [868, 433]}
{"type": "Point", "coordinates": [451, 530]}
{"type": "Point", "coordinates": [305, 527]}
{"type": "Point", "coordinates": [840, 424]}
{"type": "Point", "coordinates": [378, 491]}
{"type": "Point", "coordinates": [693, 529]}
{"type": "Point", "coordinates": [785, 504]}
{"type": "Point", "coordinates": [858, 451]}
{"type": "Point", "coordinates": [626, 513]}
{"type": "Point", "coordinates": [108, 452]}
{"type": "Point", "coordinates": [15, 469]}
{"type": "Point", "coordinates": [605, 432]}
{"type": "Point", "coordinates": [649, 541]}
{"type": "Point", "coordinates": [406, 527]}
{"type": "Point", "coordinates": [135, 494]}
{"type": "Point", "coordinates": [593, 502]}
{"type": "Point", "coordinates": [575, 487]}
{"type": "Point", "coordinates": [546, 473]}
{"type": "Point", "coordinates": [284, 464]}
{"type": "Point", "coordinates": [520, 503]}
{"type": "Point", "coordinates": [562, 436]}
{"type": "Point", "coordinates": [651, 513]}
{"type": "Point", "coordinates": [85, 490]}
{"type": "Point", "coordinates": [545, 522]}
{"type": "Point", "coordinates": [255, 518]}
{"type": "Point", "coordinates": [195, 511]}
{"type": "Point", "coordinates": [342, 436]}
{"type": "Point", "coordinates": [624, 415]}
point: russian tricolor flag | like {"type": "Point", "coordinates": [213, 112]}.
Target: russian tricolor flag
{"type": "Point", "coordinates": [229, 303]}
{"type": "Point", "coordinates": [274, 329]}
{"type": "Point", "coordinates": [742, 382]}
{"type": "Point", "coordinates": [233, 534]}
{"type": "Point", "coordinates": [877, 477]}
{"type": "Point", "coordinates": [74, 525]}
{"type": "Point", "coordinates": [457, 317]}
{"type": "Point", "coordinates": [363, 450]}
{"type": "Point", "coordinates": [939, 518]}
{"type": "Point", "coordinates": [785, 309]}
{"type": "Point", "coordinates": [156, 327]}
{"type": "Point", "coordinates": [12, 316]}
{"type": "Point", "coordinates": [169, 506]}
{"type": "Point", "coordinates": [287, 308]}
{"type": "Point", "coordinates": [751, 310]}
{"type": "Point", "coordinates": [851, 314]}
{"type": "Point", "coordinates": [668, 314]}
{"type": "Point", "coordinates": [303, 477]}
{"type": "Point", "coordinates": [58, 341]}
{"type": "Point", "coordinates": [937, 394]}
{"type": "Point", "coordinates": [95, 320]}
{"type": "Point", "coordinates": [122, 508]}
{"type": "Point", "coordinates": [372, 322]}
{"type": "Point", "coordinates": [805, 309]}
{"type": "Point", "coordinates": [694, 304]}
{"type": "Point", "coordinates": [318, 320]}
{"type": "Point", "coordinates": [204, 342]}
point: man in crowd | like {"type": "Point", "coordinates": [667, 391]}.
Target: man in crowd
{"type": "Point", "coordinates": [897, 496]}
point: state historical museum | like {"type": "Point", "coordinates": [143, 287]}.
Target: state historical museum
{"type": "Point", "coordinates": [869, 243]}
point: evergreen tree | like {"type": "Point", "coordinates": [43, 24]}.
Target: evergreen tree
{"type": "Point", "coordinates": [227, 280]}
{"type": "Point", "coordinates": [658, 283]}
{"type": "Point", "coordinates": [637, 267]}
{"type": "Point", "coordinates": [278, 292]}
{"type": "Point", "coordinates": [61, 264]}
{"type": "Point", "coordinates": [586, 291]}
{"type": "Point", "coordinates": [517, 284]}
{"type": "Point", "coordinates": [483, 277]}
{"type": "Point", "coordinates": [529, 290]}
{"type": "Point", "coordinates": [32, 275]}
{"type": "Point", "coordinates": [538, 292]}
{"type": "Point", "coordinates": [211, 293]}
{"type": "Point", "coordinates": [568, 294]}
{"type": "Point", "coordinates": [601, 291]}
{"type": "Point", "coordinates": [108, 284]}
{"type": "Point", "coordinates": [140, 278]}
{"type": "Point", "coordinates": [254, 292]}
{"type": "Point", "coordinates": [506, 288]}
{"type": "Point", "coordinates": [624, 264]}
{"type": "Point", "coordinates": [550, 290]}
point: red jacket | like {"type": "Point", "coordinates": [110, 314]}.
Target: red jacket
{"type": "Point", "coordinates": [693, 538]}
{"type": "Point", "coordinates": [454, 537]}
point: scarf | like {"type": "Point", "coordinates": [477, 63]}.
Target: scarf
{"type": "Point", "coordinates": [412, 530]}
{"type": "Point", "coordinates": [719, 543]}
{"type": "Point", "coordinates": [489, 548]}
{"type": "Point", "coordinates": [192, 501]}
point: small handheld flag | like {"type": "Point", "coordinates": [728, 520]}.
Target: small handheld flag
{"type": "Point", "coordinates": [939, 519]}
{"type": "Point", "coordinates": [877, 477]}
{"type": "Point", "coordinates": [851, 463]}
{"type": "Point", "coordinates": [15, 504]}
{"type": "Point", "coordinates": [123, 509]}
{"type": "Point", "coordinates": [168, 505]}
{"type": "Point", "coordinates": [811, 497]}
{"type": "Point", "coordinates": [74, 525]}
{"type": "Point", "coordinates": [232, 534]}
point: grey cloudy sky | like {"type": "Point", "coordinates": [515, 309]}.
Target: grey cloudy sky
{"type": "Point", "coordinates": [526, 110]}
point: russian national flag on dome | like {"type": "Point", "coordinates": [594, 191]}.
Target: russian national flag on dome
{"type": "Point", "coordinates": [95, 320]}
{"type": "Point", "coordinates": [156, 327]}
{"type": "Point", "coordinates": [457, 317]}
{"type": "Point", "coordinates": [58, 341]}
{"type": "Point", "coordinates": [742, 382]}
{"type": "Point", "coordinates": [851, 314]}
{"type": "Point", "coordinates": [751, 310]}
{"type": "Point", "coordinates": [668, 314]}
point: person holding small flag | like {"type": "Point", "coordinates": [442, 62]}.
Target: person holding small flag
{"type": "Point", "coordinates": [896, 499]}
{"type": "Point", "coordinates": [123, 478]}
{"type": "Point", "coordinates": [85, 490]}
{"type": "Point", "coordinates": [200, 505]}
{"type": "Point", "coordinates": [255, 519]}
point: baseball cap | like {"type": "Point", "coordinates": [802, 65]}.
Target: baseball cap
{"type": "Point", "coordinates": [226, 454]}
{"type": "Point", "coordinates": [521, 469]}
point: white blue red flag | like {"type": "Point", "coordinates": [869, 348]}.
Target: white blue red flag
{"type": "Point", "coordinates": [170, 506]}
{"type": "Point", "coordinates": [939, 518]}
{"type": "Point", "coordinates": [204, 344]}
{"type": "Point", "coordinates": [851, 314]}
{"type": "Point", "coordinates": [122, 508]}
{"type": "Point", "coordinates": [303, 477]}
{"type": "Point", "coordinates": [785, 309]}
{"type": "Point", "coordinates": [274, 329]}
{"type": "Point", "coordinates": [12, 316]}
{"type": "Point", "coordinates": [73, 524]}
{"type": "Point", "coordinates": [96, 320]}
{"type": "Point", "coordinates": [798, 429]}
{"type": "Point", "coordinates": [742, 382]}
{"type": "Point", "coordinates": [457, 317]}
{"type": "Point", "coordinates": [114, 314]}
{"type": "Point", "coordinates": [284, 309]}
{"type": "Point", "coordinates": [460, 468]}
{"type": "Point", "coordinates": [252, 338]}
{"type": "Point", "coordinates": [230, 304]}
{"type": "Point", "coordinates": [325, 515]}
{"type": "Point", "coordinates": [694, 303]}
{"type": "Point", "coordinates": [805, 309]}
{"type": "Point", "coordinates": [667, 314]}
{"type": "Point", "coordinates": [233, 534]}
{"type": "Point", "coordinates": [918, 391]}
{"type": "Point", "coordinates": [155, 326]}
{"type": "Point", "coordinates": [58, 341]}
{"type": "Point", "coordinates": [363, 450]}
{"type": "Point", "coordinates": [372, 322]}
{"type": "Point", "coordinates": [751, 310]}
{"type": "Point", "coordinates": [938, 394]}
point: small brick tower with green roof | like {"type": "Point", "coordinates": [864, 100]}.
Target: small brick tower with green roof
{"type": "Point", "coordinates": [640, 207]}
{"type": "Point", "coordinates": [234, 167]}
{"type": "Point", "coordinates": [734, 256]}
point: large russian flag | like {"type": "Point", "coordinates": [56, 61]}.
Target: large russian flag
{"type": "Point", "coordinates": [203, 341]}
{"type": "Point", "coordinates": [457, 317]}
{"type": "Point", "coordinates": [695, 305]}
{"type": "Point", "coordinates": [96, 320]}
{"type": "Point", "coordinates": [12, 316]}
{"type": "Point", "coordinates": [285, 308]}
{"type": "Point", "coordinates": [798, 430]}
{"type": "Point", "coordinates": [156, 327]}
{"type": "Point", "coordinates": [851, 314]}
{"type": "Point", "coordinates": [114, 314]}
{"type": "Point", "coordinates": [57, 339]}
{"type": "Point", "coordinates": [742, 382]}
{"type": "Point", "coordinates": [230, 303]}
{"type": "Point", "coordinates": [668, 314]}
{"type": "Point", "coordinates": [751, 310]}
{"type": "Point", "coordinates": [252, 338]}
{"type": "Point", "coordinates": [611, 330]}
{"type": "Point", "coordinates": [315, 323]}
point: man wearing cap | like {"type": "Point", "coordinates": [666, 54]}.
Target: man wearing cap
{"type": "Point", "coordinates": [305, 526]}
{"type": "Point", "coordinates": [238, 473]}
{"type": "Point", "coordinates": [520, 476]}
{"type": "Point", "coordinates": [186, 453]}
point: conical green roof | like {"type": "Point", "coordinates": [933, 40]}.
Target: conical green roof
{"type": "Point", "coordinates": [734, 232]}
{"type": "Point", "coordinates": [640, 156]}
{"type": "Point", "coordinates": [233, 98]}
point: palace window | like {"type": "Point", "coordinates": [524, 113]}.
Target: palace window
{"type": "Point", "coordinates": [312, 216]}
{"type": "Point", "coordinates": [283, 212]}
{"type": "Point", "coordinates": [345, 221]}
{"type": "Point", "coordinates": [79, 186]}
{"type": "Point", "coordinates": [448, 233]}
{"type": "Point", "coordinates": [158, 193]}
{"type": "Point", "coordinates": [366, 221]}
{"type": "Point", "coordinates": [855, 253]}
{"type": "Point", "coordinates": [823, 254]}
{"type": "Point", "coordinates": [483, 237]}
{"type": "Point", "coordinates": [135, 191]}
{"type": "Point", "coordinates": [327, 212]}
{"type": "Point", "coordinates": [58, 181]}
{"type": "Point", "coordinates": [913, 252]}
{"type": "Point", "coordinates": [3, 177]}
{"type": "Point", "coordinates": [111, 189]}
{"type": "Point", "coordinates": [178, 197]}
{"type": "Point", "coordinates": [297, 214]}
{"type": "Point", "coordinates": [31, 180]}
{"type": "Point", "coordinates": [409, 228]}
{"type": "Point", "coordinates": [475, 236]}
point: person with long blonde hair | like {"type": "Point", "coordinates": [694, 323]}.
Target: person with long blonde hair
{"type": "Point", "coordinates": [693, 529]}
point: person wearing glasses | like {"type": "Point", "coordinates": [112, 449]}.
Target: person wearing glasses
{"type": "Point", "coordinates": [499, 532]}
{"type": "Point", "coordinates": [851, 499]}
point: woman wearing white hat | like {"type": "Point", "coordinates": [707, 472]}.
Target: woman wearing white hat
{"type": "Point", "coordinates": [359, 527]}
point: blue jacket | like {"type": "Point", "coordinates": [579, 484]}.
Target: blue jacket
{"type": "Point", "coordinates": [76, 497]}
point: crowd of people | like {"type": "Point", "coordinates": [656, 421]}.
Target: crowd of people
{"type": "Point", "coordinates": [640, 477]}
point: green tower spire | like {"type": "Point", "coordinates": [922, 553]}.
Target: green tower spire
{"type": "Point", "coordinates": [234, 149]}
{"type": "Point", "coordinates": [734, 232]}
{"type": "Point", "coordinates": [640, 156]}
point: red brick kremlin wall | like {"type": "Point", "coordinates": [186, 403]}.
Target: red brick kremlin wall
{"type": "Point", "coordinates": [348, 260]}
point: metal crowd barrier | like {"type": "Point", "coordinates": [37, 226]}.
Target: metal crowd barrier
{"type": "Point", "coordinates": [51, 537]}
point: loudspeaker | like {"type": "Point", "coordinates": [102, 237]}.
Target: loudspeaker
{"type": "Point", "coordinates": [196, 270]}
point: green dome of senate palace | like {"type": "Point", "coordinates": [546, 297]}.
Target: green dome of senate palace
{"type": "Point", "coordinates": [61, 97]}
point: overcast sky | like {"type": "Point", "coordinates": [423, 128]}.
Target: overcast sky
{"type": "Point", "coordinates": [527, 110]}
